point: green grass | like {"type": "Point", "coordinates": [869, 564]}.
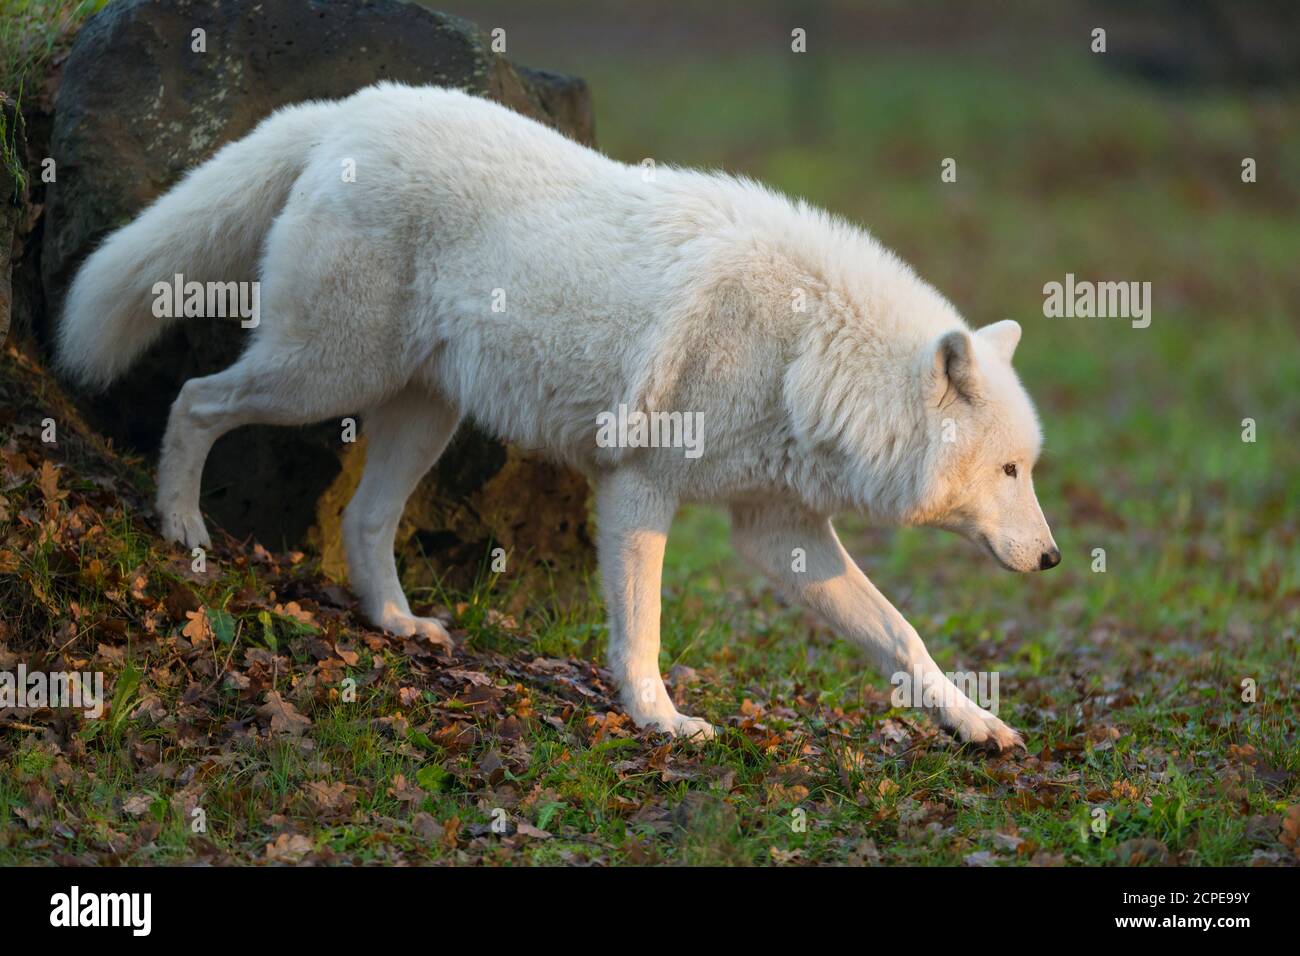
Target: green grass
{"type": "Point", "coordinates": [1126, 683]}
{"type": "Point", "coordinates": [30, 33]}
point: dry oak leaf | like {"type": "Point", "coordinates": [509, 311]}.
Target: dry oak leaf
{"type": "Point", "coordinates": [426, 827]}
{"type": "Point", "coordinates": [335, 797]}
{"type": "Point", "coordinates": [285, 718]}
{"type": "Point", "coordinates": [295, 611]}
{"type": "Point", "coordinates": [288, 848]}
{"type": "Point", "coordinates": [409, 696]}
{"type": "Point", "coordinates": [197, 629]}
{"type": "Point", "coordinates": [476, 678]}
{"type": "Point", "coordinates": [779, 793]}
{"type": "Point", "coordinates": [48, 482]}
{"type": "Point", "coordinates": [16, 467]}
{"type": "Point", "coordinates": [137, 805]}
{"type": "Point", "coordinates": [527, 829]}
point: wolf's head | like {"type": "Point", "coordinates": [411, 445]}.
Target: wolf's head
{"type": "Point", "coordinates": [984, 440]}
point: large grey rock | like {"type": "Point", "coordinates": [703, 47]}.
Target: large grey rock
{"type": "Point", "coordinates": [138, 106]}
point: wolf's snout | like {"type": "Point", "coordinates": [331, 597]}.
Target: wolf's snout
{"type": "Point", "coordinates": [1049, 559]}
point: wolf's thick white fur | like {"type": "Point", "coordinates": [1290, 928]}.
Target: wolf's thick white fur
{"type": "Point", "coordinates": [826, 375]}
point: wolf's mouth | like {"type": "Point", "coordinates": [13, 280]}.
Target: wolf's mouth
{"type": "Point", "coordinates": [988, 546]}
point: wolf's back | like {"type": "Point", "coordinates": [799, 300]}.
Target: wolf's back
{"type": "Point", "coordinates": [208, 227]}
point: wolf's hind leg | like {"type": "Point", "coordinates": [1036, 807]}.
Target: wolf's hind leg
{"type": "Point", "coordinates": [404, 437]}
{"type": "Point", "coordinates": [264, 387]}
{"type": "Point", "coordinates": [833, 586]}
{"type": "Point", "coordinates": [200, 414]}
{"type": "Point", "coordinates": [632, 528]}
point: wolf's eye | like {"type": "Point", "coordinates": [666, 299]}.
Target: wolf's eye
{"type": "Point", "coordinates": [1009, 469]}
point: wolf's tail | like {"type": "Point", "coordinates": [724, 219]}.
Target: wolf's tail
{"type": "Point", "coordinates": [209, 227]}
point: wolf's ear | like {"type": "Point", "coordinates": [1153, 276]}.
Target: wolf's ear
{"type": "Point", "coordinates": [1003, 336]}
{"type": "Point", "coordinates": [954, 368]}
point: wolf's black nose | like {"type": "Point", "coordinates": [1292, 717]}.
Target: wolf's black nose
{"type": "Point", "coordinates": [1049, 559]}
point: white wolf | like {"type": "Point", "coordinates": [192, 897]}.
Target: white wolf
{"type": "Point", "coordinates": [480, 264]}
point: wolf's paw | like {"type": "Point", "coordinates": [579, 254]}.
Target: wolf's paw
{"type": "Point", "coordinates": [973, 725]}
{"type": "Point", "coordinates": [184, 527]}
{"type": "Point", "coordinates": [679, 725]}
{"type": "Point", "coordinates": [693, 728]}
{"type": "Point", "coordinates": [408, 625]}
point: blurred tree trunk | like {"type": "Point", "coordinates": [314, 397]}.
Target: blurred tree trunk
{"type": "Point", "coordinates": [1218, 42]}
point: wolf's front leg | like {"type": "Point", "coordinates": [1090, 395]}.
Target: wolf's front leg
{"type": "Point", "coordinates": [405, 436]}
{"type": "Point", "coordinates": [632, 520]}
{"type": "Point", "coordinates": [828, 582]}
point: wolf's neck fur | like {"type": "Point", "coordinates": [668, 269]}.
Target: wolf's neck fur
{"type": "Point", "coordinates": [856, 385]}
